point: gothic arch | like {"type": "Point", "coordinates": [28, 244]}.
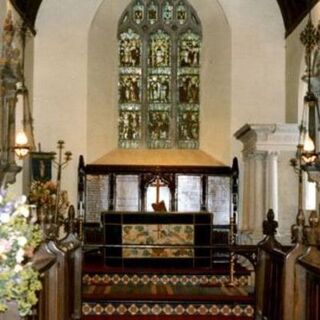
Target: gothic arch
{"type": "Point", "coordinates": [103, 76]}
{"type": "Point", "coordinates": [159, 75]}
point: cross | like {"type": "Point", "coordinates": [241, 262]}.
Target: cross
{"type": "Point", "coordinates": [158, 231]}
{"type": "Point", "coordinates": [157, 183]}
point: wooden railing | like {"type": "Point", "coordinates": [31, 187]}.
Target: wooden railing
{"type": "Point", "coordinates": [288, 278]}
{"type": "Point", "coordinates": [59, 262]}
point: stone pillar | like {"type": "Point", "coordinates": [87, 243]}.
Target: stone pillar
{"type": "Point", "coordinates": [269, 181]}
{"type": "Point", "coordinates": [254, 186]}
{"type": "Point", "coordinates": [272, 182]}
{"type": "Point", "coordinates": [244, 218]}
{"type": "Point", "coordinates": [260, 187]}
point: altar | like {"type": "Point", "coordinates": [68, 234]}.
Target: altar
{"type": "Point", "coordinates": [157, 239]}
{"type": "Point", "coordinates": [120, 196]}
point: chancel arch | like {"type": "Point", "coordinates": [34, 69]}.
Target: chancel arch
{"type": "Point", "coordinates": [103, 78]}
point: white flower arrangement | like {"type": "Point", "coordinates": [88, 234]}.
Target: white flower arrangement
{"type": "Point", "coordinates": [19, 237]}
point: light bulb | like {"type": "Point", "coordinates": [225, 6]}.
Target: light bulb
{"type": "Point", "coordinates": [308, 145]}
{"type": "Point", "coordinates": [21, 148]}
{"type": "Point", "coordinates": [21, 138]}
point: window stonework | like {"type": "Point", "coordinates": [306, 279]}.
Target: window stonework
{"type": "Point", "coordinates": [159, 75]}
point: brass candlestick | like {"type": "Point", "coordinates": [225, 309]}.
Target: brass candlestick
{"type": "Point", "coordinates": [60, 164]}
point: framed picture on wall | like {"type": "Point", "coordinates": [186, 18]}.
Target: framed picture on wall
{"type": "Point", "coordinates": [41, 166]}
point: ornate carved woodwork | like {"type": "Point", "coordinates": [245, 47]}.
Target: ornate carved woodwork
{"type": "Point", "coordinates": [220, 177]}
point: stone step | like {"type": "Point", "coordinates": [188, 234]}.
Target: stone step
{"type": "Point", "coordinates": [144, 278]}
{"type": "Point", "coordinates": [167, 308]}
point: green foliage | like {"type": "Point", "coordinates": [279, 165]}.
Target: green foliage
{"type": "Point", "coordinates": [19, 237]}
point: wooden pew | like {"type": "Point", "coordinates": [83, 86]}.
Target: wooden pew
{"type": "Point", "coordinates": [292, 290]}
{"type": "Point", "coordinates": [43, 260]}
{"type": "Point", "coordinates": [66, 276]}
{"type": "Point", "coordinates": [271, 260]}
{"type": "Point", "coordinates": [288, 282]}
{"type": "Point", "coordinates": [60, 298]}
{"type": "Point", "coordinates": [309, 275]}
{"type": "Point", "coordinates": [74, 267]}
{"type": "Point", "coordinates": [312, 302]}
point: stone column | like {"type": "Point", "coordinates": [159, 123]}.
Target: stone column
{"type": "Point", "coordinates": [269, 181]}
{"type": "Point", "coordinates": [272, 182]}
{"type": "Point", "coordinates": [254, 186]}
{"type": "Point", "coordinates": [244, 218]}
{"type": "Point", "coordinates": [260, 187]}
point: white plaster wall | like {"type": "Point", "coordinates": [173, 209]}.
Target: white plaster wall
{"type": "Point", "coordinates": [258, 67]}
{"type": "Point", "coordinates": [295, 66]}
{"type": "Point", "coordinates": [60, 79]}
{"type": "Point", "coordinates": [288, 193]}
{"type": "Point", "coordinates": [75, 74]}
{"type": "Point", "coordinates": [102, 99]}
{"type": "Point", "coordinates": [215, 135]}
{"type": "Point", "coordinates": [215, 95]}
{"type": "Point", "coordinates": [258, 63]}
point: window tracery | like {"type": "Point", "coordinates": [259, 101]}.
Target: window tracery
{"type": "Point", "coordinates": [159, 75]}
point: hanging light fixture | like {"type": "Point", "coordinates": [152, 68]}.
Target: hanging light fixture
{"type": "Point", "coordinates": [21, 147]}
{"type": "Point", "coordinates": [308, 147]}
{"type": "Point", "coordinates": [307, 156]}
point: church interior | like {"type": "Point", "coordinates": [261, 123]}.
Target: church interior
{"type": "Point", "coordinates": [159, 159]}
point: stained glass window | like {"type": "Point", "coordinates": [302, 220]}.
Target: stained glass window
{"type": "Point", "coordinates": [159, 75]}
{"type": "Point", "coordinates": [152, 13]}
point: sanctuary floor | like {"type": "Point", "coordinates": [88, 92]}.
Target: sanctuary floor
{"type": "Point", "coordinates": [155, 293]}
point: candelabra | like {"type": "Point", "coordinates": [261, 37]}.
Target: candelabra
{"type": "Point", "coordinates": [60, 163]}
{"type": "Point", "coordinates": [308, 147]}
{"type": "Point", "coordinates": [307, 156]}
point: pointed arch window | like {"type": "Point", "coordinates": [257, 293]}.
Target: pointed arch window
{"type": "Point", "coordinates": [159, 75]}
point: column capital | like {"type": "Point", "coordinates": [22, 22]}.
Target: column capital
{"type": "Point", "coordinates": [268, 137]}
{"type": "Point", "coordinates": [273, 156]}
{"type": "Point", "coordinates": [273, 153]}
{"type": "Point", "coordinates": [256, 155]}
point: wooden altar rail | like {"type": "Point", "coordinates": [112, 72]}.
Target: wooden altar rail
{"type": "Point", "coordinates": [60, 297]}
{"type": "Point", "coordinates": [249, 252]}
{"type": "Point", "coordinates": [288, 281]}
